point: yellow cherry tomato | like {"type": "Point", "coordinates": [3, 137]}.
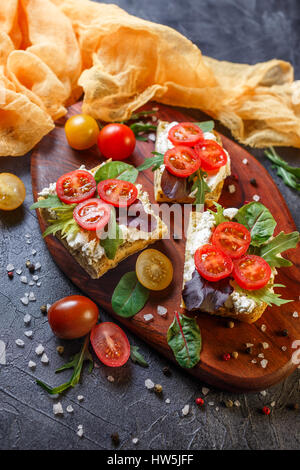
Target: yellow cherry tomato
{"type": "Point", "coordinates": [81, 131]}
{"type": "Point", "coordinates": [154, 270]}
{"type": "Point", "coordinates": [12, 192]}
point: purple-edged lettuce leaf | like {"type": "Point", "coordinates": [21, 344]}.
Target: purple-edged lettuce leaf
{"type": "Point", "coordinates": [200, 294]}
{"type": "Point", "coordinates": [174, 187]}
{"type": "Point", "coordinates": [136, 216]}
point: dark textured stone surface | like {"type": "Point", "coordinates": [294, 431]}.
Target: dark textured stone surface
{"type": "Point", "coordinates": [240, 30]}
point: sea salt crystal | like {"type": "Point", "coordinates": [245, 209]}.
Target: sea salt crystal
{"type": "Point", "coordinates": [48, 306]}
{"type": "Point", "coordinates": [148, 317]}
{"type": "Point", "coordinates": [185, 410]}
{"type": "Point", "coordinates": [254, 361]}
{"type": "Point", "coordinates": [80, 430]}
{"type": "Point", "coordinates": [265, 345]}
{"type": "Point", "coordinates": [23, 279]}
{"type": "Point", "coordinates": [35, 277]}
{"type": "Point", "coordinates": [245, 161]}
{"type": "Point", "coordinates": [28, 333]}
{"type": "Point", "coordinates": [264, 363]}
{"type": "Point", "coordinates": [249, 345]}
{"type": "Point", "coordinates": [295, 315]}
{"type": "Point", "coordinates": [28, 242]}
{"type": "Point", "coordinates": [31, 297]}
{"type": "Point", "coordinates": [70, 409]}
{"type": "Point", "coordinates": [38, 283]}
{"type": "Point", "coordinates": [162, 311]}
{"type": "Point", "coordinates": [149, 384]}
{"type": "Point", "coordinates": [152, 137]}
{"type": "Point", "coordinates": [31, 365]}
{"type": "Point", "coordinates": [205, 390]}
{"type": "Point", "coordinates": [261, 355]}
{"type": "Point", "coordinates": [20, 343]}
{"type": "Point", "coordinates": [167, 401]}
{"type": "Point", "coordinates": [19, 271]}
{"type": "Point", "coordinates": [211, 403]}
{"type": "Point", "coordinates": [237, 403]}
{"type": "Point", "coordinates": [33, 252]}
{"type": "Point", "coordinates": [110, 378]}
{"type": "Point", "coordinates": [231, 188]}
{"type": "Point", "coordinates": [10, 267]}
{"type": "Point", "coordinates": [39, 350]}
{"type": "Point", "coordinates": [58, 409]}
{"type": "Point", "coordinates": [31, 283]}
{"type": "Point", "coordinates": [24, 300]}
{"type": "Point", "coordinates": [45, 359]}
{"type": "Point", "coordinates": [273, 404]}
{"type": "Point", "coordinates": [256, 197]}
{"type": "Point", "coordinates": [263, 393]}
{"type": "Point", "coordinates": [27, 319]}
{"type": "Point", "coordinates": [80, 397]}
{"type": "Point", "coordinates": [135, 440]}
{"type": "Point", "coordinates": [284, 348]}
{"type": "Point", "coordinates": [263, 328]}
{"type": "Point", "coordinates": [37, 266]}
{"type": "Point", "coordinates": [27, 235]}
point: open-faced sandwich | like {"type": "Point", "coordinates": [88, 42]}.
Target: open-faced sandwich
{"type": "Point", "coordinates": [100, 215]}
{"type": "Point", "coordinates": [231, 259]}
{"type": "Point", "coordinates": [190, 163]}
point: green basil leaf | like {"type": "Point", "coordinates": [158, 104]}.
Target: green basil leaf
{"type": "Point", "coordinates": [49, 202]}
{"type": "Point", "coordinates": [137, 357]}
{"type": "Point", "coordinates": [219, 217]}
{"type": "Point", "coordinates": [113, 236]}
{"type": "Point", "coordinates": [205, 126]}
{"type": "Point", "coordinates": [116, 170]}
{"type": "Point", "coordinates": [263, 295]}
{"type": "Point", "coordinates": [258, 220]}
{"type": "Point", "coordinates": [282, 242]}
{"type": "Point", "coordinates": [184, 338]}
{"type": "Point", "coordinates": [129, 296]}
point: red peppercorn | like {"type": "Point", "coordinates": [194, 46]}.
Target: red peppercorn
{"type": "Point", "coordinates": [247, 202]}
{"type": "Point", "coordinates": [199, 401]}
{"type": "Point", "coordinates": [266, 410]}
{"type": "Point", "coordinates": [226, 357]}
{"type": "Point", "coordinates": [235, 176]}
{"type": "Point", "coordinates": [10, 274]}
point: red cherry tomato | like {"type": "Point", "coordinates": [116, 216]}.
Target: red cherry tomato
{"type": "Point", "coordinates": [251, 272]}
{"type": "Point", "coordinates": [116, 141]}
{"type": "Point", "coordinates": [185, 133]}
{"type": "Point", "coordinates": [110, 344]}
{"type": "Point", "coordinates": [73, 316]}
{"type": "Point", "coordinates": [181, 161]}
{"type": "Point", "coordinates": [232, 238]}
{"type": "Point", "coordinates": [117, 192]}
{"type": "Point", "coordinates": [212, 264]}
{"type": "Point", "coordinates": [75, 187]}
{"type": "Point", "coordinates": [92, 214]}
{"type": "Point", "coordinates": [211, 154]}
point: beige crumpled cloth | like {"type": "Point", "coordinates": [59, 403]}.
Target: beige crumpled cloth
{"type": "Point", "coordinates": [53, 50]}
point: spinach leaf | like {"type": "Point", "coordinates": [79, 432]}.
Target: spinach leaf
{"type": "Point", "coordinates": [263, 295]}
{"type": "Point", "coordinates": [137, 357]}
{"type": "Point", "coordinates": [49, 202]}
{"type": "Point", "coordinates": [258, 220]}
{"type": "Point", "coordinates": [116, 170]}
{"type": "Point", "coordinates": [113, 236]}
{"type": "Point", "coordinates": [219, 217]}
{"type": "Point", "coordinates": [156, 162]}
{"type": "Point", "coordinates": [205, 126]}
{"type": "Point", "coordinates": [129, 296]}
{"type": "Point", "coordinates": [76, 363]}
{"type": "Point", "coordinates": [184, 338]}
{"type": "Point", "coordinates": [282, 242]}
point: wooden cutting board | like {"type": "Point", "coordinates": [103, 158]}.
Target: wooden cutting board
{"type": "Point", "coordinates": [53, 157]}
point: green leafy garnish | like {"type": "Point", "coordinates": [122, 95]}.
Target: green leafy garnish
{"type": "Point", "coordinates": [200, 186]}
{"type": "Point", "coordinates": [140, 127]}
{"type": "Point", "coordinates": [289, 174]}
{"type": "Point", "coordinates": [113, 236]}
{"type": "Point", "coordinates": [219, 217]}
{"type": "Point", "coordinates": [50, 202]}
{"type": "Point", "coordinates": [264, 295]}
{"type": "Point", "coordinates": [154, 162]}
{"type": "Point", "coordinates": [184, 338]}
{"type": "Point", "coordinates": [137, 357]}
{"type": "Point", "coordinates": [282, 242]}
{"type": "Point", "coordinates": [64, 221]}
{"type": "Point", "coordinates": [205, 126]}
{"type": "Point", "coordinates": [258, 220]}
{"type": "Point", "coordinates": [129, 296]}
{"type": "Point", "coordinates": [116, 170]}
{"type": "Point", "coordinates": [76, 363]}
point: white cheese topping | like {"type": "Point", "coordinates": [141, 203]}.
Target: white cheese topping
{"type": "Point", "coordinates": [230, 213]}
{"type": "Point", "coordinates": [242, 303]}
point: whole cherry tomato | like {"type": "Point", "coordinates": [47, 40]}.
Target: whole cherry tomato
{"type": "Point", "coordinates": [81, 131]}
{"type": "Point", "coordinates": [116, 141]}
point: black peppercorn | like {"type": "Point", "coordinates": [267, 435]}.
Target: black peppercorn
{"type": "Point", "coordinates": [253, 182]}
{"type": "Point", "coordinates": [285, 332]}
{"type": "Point", "coordinates": [167, 371]}
{"type": "Point", "coordinates": [115, 439]}
{"type": "Point", "coordinates": [43, 309]}
{"type": "Point", "coordinates": [249, 350]}
{"type": "Point", "coordinates": [31, 268]}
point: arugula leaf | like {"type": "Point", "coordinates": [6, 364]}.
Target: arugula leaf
{"type": "Point", "coordinates": [282, 242]}
{"type": "Point", "coordinates": [205, 126]}
{"type": "Point", "coordinates": [65, 223]}
{"type": "Point", "coordinates": [129, 296]}
{"type": "Point", "coordinates": [258, 220]}
{"type": "Point", "coordinates": [264, 295]}
{"type": "Point", "coordinates": [113, 236]}
{"type": "Point", "coordinates": [141, 114]}
{"type": "Point", "coordinates": [76, 363]}
{"type": "Point", "coordinates": [219, 217]}
{"type": "Point", "coordinates": [156, 162]}
{"type": "Point", "coordinates": [116, 170]}
{"type": "Point", "coordinates": [288, 178]}
{"type": "Point", "coordinates": [138, 127]}
{"type": "Point", "coordinates": [49, 202]}
{"type": "Point", "coordinates": [137, 357]}
{"type": "Point", "coordinates": [272, 155]}
{"type": "Point", "coordinates": [184, 338]}
{"type": "Point", "coordinates": [199, 186]}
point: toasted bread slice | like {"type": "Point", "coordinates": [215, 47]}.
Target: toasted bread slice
{"type": "Point", "coordinates": [248, 317]}
{"type": "Point", "coordinates": [216, 188]}
{"type": "Point", "coordinates": [96, 268]}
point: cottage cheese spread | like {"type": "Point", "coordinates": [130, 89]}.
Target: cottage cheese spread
{"type": "Point", "coordinates": [230, 213]}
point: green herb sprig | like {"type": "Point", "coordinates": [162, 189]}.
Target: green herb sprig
{"type": "Point", "coordinates": [289, 174]}
{"type": "Point", "coordinates": [137, 357]}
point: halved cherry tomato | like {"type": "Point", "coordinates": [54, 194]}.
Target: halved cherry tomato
{"type": "Point", "coordinates": [117, 192]}
{"type": "Point", "coordinates": [211, 154]}
{"type": "Point", "coordinates": [154, 270]}
{"type": "Point", "coordinates": [181, 161]}
{"type": "Point", "coordinates": [212, 263]}
{"type": "Point", "coordinates": [232, 238]}
{"type": "Point", "coordinates": [116, 141]}
{"type": "Point", "coordinates": [110, 344]}
{"type": "Point", "coordinates": [75, 187]}
{"type": "Point", "coordinates": [92, 214]}
{"type": "Point", "coordinates": [185, 133]}
{"type": "Point", "coordinates": [73, 316]}
{"type": "Point", "coordinates": [251, 272]}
